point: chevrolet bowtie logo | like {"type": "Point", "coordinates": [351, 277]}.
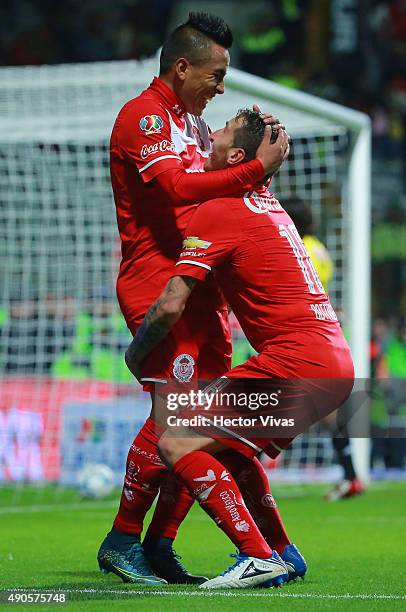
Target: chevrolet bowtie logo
{"type": "Point", "coordinates": [193, 242]}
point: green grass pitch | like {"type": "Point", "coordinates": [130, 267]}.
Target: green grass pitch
{"type": "Point", "coordinates": [355, 549]}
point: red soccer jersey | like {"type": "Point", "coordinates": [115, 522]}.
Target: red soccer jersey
{"type": "Point", "coordinates": [152, 134]}
{"type": "Point", "coordinates": [264, 272]}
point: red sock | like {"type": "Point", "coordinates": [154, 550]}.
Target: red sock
{"type": "Point", "coordinates": [219, 495]}
{"type": "Point", "coordinates": [174, 502]}
{"type": "Point", "coordinates": [254, 486]}
{"type": "Point", "coordinates": [144, 474]}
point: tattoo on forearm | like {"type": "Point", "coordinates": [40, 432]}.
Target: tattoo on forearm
{"type": "Point", "coordinates": [154, 327]}
{"type": "Point", "coordinates": [148, 336]}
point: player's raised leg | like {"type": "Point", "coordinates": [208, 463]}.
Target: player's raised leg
{"type": "Point", "coordinates": [254, 485]}
{"type": "Point", "coordinates": [218, 494]}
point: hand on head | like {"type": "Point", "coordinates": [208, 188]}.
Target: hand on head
{"type": "Point", "coordinates": [269, 119]}
{"type": "Point", "coordinates": [272, 153]}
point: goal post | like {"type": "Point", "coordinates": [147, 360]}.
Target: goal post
{"type": "Point", "coordinates": [63, 387]}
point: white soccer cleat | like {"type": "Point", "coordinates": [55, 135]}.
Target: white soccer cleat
{"type": "Point", "coordinates": [250, 572]}
{"type": "Point", "coordinates": [345, 489]}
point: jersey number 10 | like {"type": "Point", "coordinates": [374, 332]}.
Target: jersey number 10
{"type": "Point", "coordinates": [306, 265]}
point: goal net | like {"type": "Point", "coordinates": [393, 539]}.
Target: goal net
{"type": "Point", "coordinates": [66, 397]}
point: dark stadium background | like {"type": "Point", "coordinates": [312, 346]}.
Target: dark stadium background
{"type": "Point", "coordinates": [349, 51]}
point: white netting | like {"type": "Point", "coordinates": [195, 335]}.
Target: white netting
{"type": "Point", "coordinates": [61, 334]}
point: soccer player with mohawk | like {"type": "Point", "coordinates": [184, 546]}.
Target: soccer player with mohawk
{"type": "Point", "coordinates": [159, 145]}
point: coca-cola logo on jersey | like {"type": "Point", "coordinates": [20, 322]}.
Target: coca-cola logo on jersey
{"type": "Point", "coordinates": [261, 204]}
{"type": "Point", "coordinates": [158, 147]}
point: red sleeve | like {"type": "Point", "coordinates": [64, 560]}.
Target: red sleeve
{"type": "Point", "coordinates": [211, 237]}
{"type": "Point", "coordinates": [183, 187]}
{"type": "Point", "coordinates": [142, 133]}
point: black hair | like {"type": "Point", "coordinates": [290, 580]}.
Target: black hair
{"type": "Point", "coordinates": [193, 39]}
{"type": "Point", "coordinates": [250, 134]}
{"type": "Point", "coordinates": [301, 214]}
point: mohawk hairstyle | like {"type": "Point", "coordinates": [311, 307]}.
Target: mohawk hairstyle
{"type": "Point", "coordinates": [250, 134]}
{"type": "Point", "coordinates": [211, 26]}
{"type": "Point", "coordinates": [193, 40]}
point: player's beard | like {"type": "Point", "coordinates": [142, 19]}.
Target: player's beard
{"type": "Point", "coordinates": [215, 162]}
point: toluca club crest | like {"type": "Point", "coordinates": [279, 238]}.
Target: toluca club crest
{"type": "Point", "coordinates": [183, 367]}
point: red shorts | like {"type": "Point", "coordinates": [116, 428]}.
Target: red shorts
{"type": "Point", "coordinates": [263, 408]}
{"type": "Point", "coordinates": [197, 347]}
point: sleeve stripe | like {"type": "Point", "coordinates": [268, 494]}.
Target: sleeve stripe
{"type": "Point", "coordinates": [193, 263]}
{"type": "Point", "coordinates": [157, 159]}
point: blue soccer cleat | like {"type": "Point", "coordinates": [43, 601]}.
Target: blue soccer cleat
{"type": "Point", "coordinates": [250, 572]}
{"type": "Point", "coordinates": [130, 565]}
{"type": "Point", "coordinates": [294, 561]}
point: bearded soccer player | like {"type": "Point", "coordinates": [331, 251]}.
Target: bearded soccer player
{"type": "Point", "coordinates": [159, 145]}
{"type": "Point", "coordinates": [269, 281]}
